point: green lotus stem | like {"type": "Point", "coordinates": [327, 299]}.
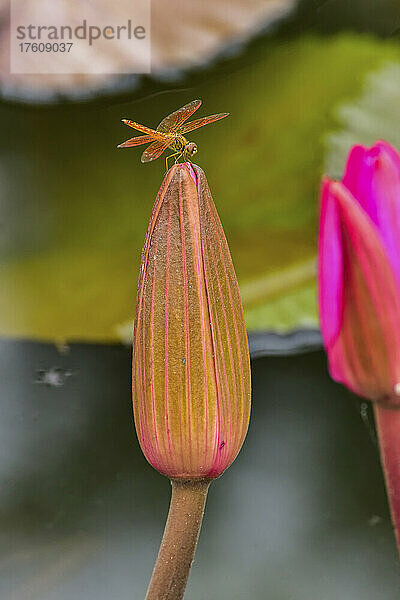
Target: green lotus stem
{"type": "Point", "coordinates": [179, 541]}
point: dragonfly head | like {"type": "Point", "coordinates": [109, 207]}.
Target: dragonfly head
{"type": "Point", "coordinates": [191, 148]}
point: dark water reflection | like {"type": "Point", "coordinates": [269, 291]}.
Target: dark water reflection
{"type": "Point", "coordinates": [301, 514]}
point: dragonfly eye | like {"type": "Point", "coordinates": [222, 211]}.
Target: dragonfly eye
{"type": "Point", "coordinates": [191, 148]}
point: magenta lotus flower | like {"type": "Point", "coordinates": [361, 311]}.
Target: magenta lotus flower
{"type": "Point", "coordinates": [359, 291]}
{"type": "Point", "coordinates": [359, 273]}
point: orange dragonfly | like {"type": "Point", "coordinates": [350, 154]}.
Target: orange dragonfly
{"type": "Point", "coordinates": [170, 134]}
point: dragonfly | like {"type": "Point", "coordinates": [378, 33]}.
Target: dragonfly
{"type": "Point", "coordinates": [170, 133]}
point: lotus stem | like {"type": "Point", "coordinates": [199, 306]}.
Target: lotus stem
{"type": "Point", "coordinates": [388, 427]}
{"type": "Point", "coordinates": [179, 541]}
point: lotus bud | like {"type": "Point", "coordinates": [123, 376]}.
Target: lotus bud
{"type": "Point", "coordinates": [359, 292]}
{"type": "Point", "coordinates": [191, 369]}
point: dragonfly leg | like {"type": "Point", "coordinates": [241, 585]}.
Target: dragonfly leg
{"type": "Point", "coordinates": [170, 156]}
{"type": "Point", "coordinates": [180, 154]}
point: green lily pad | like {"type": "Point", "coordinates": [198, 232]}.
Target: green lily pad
{"type": "Point", "coordinates": [74, 209]}
{"type": "Point", "coordinates": [373, 116]}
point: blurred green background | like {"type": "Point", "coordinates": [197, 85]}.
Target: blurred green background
{"type": "Point", "coordinates": [302, 513]}
{"type": "Point", "coordinates": [75, 209]}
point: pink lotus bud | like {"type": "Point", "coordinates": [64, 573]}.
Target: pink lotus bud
{"type": "Point", "coordinates": [359, 273]}
{"type": "Point", "coordinates": [191, 369]}
{"type": "Point", "coordinates": [359, 292]}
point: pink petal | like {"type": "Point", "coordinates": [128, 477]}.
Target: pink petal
{"type": "Point", "coordinates": [373, 177]}
{"type": "Point", "coordinates": [366, 354]}
{"type": "Point", "coordinates": [330, 266]}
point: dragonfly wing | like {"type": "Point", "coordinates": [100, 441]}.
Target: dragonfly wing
{"type": "Point", "coordinates": [177, 118]}
{"type": "Point", "coordinates": [201, 122]}
{"type": "Point", "coordinates": [154, 150]}
{"type": "Point", "coordinates": [156, 135]}
{"type": "Point", "coordinates": [136, 141]}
